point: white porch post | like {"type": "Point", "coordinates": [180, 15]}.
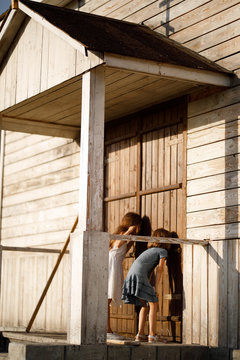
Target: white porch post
{"type": "Point", "coordinates": [89, 247]}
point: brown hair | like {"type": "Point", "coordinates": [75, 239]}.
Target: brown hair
{"type": "Point", "coordinates": [161, 232]}
{"type": "Point", "coordinates": [129, 219]}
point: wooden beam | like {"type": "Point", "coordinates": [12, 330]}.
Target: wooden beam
{"type": "Point", "coordinates": [88, 306]}
{"type": "Point", "coordinates": [169, 71]}
{"type": "Point", "coordinates": [38, 127]}
{"type": "Point", "coordinates": [160, 240]}
{"type": "Point", "coordinates": [14, 4]}
{"type": "Point", "coordinates": [84, 327]}
{"type": "Point", "coordinates": [64, 36]}
{"type": "Point", "coordinates": [8, 32]}
{"type": "Point", "coordinates": [92, 150]}
{"type": "Point", "coordinates": [29, 249]}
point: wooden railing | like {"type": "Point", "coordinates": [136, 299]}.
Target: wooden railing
{"type": "Point", "coordinates": [159, 240]}
{"type": "Point", "coordinates": [134, 238]}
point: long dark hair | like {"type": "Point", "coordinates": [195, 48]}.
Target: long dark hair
{"type": "Point", "coordinates": [129, 219]}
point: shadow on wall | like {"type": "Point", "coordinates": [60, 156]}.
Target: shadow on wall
{"type": "Point", "coordinates": [166, 23]}
{"type": "Point", "coordinates": [223, 255]}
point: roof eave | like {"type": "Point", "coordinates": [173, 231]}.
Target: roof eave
{"type": "Point", "coordinates": [9, 30]}
{"type": "Point", "coordinates": [54, 29]}
{"type": "Point", "coordinates": [177, 72]}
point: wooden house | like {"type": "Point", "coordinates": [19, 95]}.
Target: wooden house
{"type": "Point", "coordinates": [108, 107]}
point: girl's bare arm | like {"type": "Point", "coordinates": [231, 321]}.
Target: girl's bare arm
{"type": "Point", "coordinates": [129, 231]}
{"type": "Point", "coordinates": [159, 271]}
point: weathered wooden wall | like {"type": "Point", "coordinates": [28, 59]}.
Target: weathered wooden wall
{"type": "Point", "coordinates": [24, 276]}
{"type": "Point", "coordinates": [55, 60]}
{"type": "Point", "coordinates": [40, 203]}
{"type": "Point", "coordinates": [210, 27]}
{"type": "Point", "coordinates": [40, 183]}
{"type": "Point", "coordinates": [211, 278]}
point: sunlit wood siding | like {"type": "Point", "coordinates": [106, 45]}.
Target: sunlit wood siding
{"type": "Point", "coordinates": [212, 29]}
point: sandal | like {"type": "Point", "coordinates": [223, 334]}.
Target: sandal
{"type": "Point", "coordinates": [140, 337]}
{"type": "Point", "coordinates": [153, 338]}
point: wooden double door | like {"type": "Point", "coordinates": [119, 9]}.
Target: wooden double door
{"type": "Point", "coordinates": [145, 173]}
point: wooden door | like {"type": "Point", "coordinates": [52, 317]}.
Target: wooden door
{"type": "Point", "coordinates": [145, 173]}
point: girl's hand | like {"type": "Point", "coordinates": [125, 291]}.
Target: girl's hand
{"type": "Point", "coordinates": [131, 229]}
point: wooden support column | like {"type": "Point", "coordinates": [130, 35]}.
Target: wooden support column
{"type": "Point", "coordinates": [89, 252]}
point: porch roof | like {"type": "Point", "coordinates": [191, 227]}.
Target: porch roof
{"type": "Point", "coordinates": [99, 33]}
{"type": "Point", "coordinates": [143, 68]}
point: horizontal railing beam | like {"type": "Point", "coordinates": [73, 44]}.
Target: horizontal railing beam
{"type": "Point", "coordinates": [29, 249]}
{"type": "Point", "coordinates": [159, 240]}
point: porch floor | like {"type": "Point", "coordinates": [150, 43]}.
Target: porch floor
{"type": "Point", "coordinates": [49, 346]}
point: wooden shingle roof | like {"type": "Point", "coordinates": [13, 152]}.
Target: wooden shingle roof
{"type": "Point", "coordinates": [99, 33]}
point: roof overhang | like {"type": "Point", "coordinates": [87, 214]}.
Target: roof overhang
{"type": "Point", "coordinates": [137, 82]}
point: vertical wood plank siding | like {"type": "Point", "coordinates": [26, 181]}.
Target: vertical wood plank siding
{"type": "Point", "coordinates": [143, 159]}
{"type": "Point", "coordinates": [54, 59]}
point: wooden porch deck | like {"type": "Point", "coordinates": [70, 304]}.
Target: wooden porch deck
{"type": "Point", "coordinates": [48, 346]}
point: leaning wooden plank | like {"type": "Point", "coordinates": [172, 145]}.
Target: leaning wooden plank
{"type": "Point", "coordinates": [51, 277]}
